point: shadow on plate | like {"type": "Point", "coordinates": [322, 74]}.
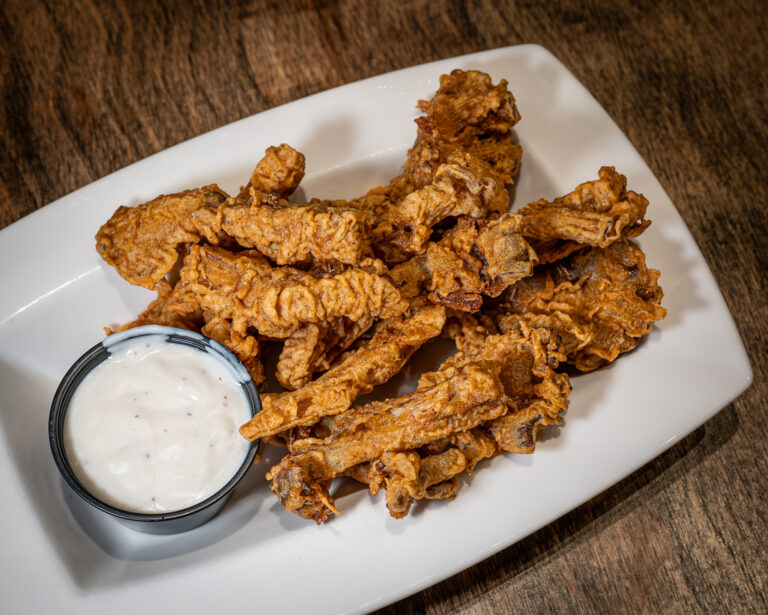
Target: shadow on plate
{"type": "Point", "coordinates": [603, 509]}
{"type": "Point", "coordinates": [95, 549]}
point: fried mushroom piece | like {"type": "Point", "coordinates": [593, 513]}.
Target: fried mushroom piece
{"type": "Point", "coordinates": [245, 289]}
{"type": "Point", "coordinates": [301, 479]}
{"type": "Point", "coordinates": [472, 259]}
{"type": "Point", "coordinates": [464, 185]}
{"type": "Point", "coordinates": [314, 347]}
{"type": "Point", "coordinates": [535, 394]}
{"type": "Point", "coordinates": [142, 242]}
{"type": "Point", "coordinates": [469, 331]}
{"type": "Point", "coordinates": [409, 476]}
{"type": "Point", "coordinates": [357, 373]}
{"type": "Point", "coordinates": [521, 395]}
{"type": "Point", "coordinates": [245, 347]}
{"type": "Point", "coordinates": [467, 113]}
{"type": "Point", "coordinates": [596, 213]}
{"type": "Point", "coordinates": [291, 233]}
{"type": "Point", "coordinates": [600, 301]}
{"type": "Point", "coordinates": [279, 172]}
{"type": "Point", "coordinates": [569, 336]}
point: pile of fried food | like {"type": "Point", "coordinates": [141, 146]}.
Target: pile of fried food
{"type": "Point", "coordinates": [351, 289]}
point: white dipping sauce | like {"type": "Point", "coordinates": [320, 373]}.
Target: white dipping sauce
{"type": "Point", "coordinates": [154, 428]}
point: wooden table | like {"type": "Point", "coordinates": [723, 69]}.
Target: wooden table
{"type": "Point", "coordinates": [89, 87]}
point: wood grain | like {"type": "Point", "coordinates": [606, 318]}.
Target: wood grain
{"type": "Point", "coordinates": [88, 87]}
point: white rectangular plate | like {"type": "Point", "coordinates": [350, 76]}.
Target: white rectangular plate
{"type": "Point", "coordinates": [56, 294]}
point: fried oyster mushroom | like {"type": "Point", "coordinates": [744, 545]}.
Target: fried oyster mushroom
{"type": "Point", "coordinates": [291, 233]}
{"type": "Point", "coordinates": [142, 242]}
{"type": "Point", "coordinates": [314, 347]}
{"type": "Point", "coordinates": [597, 213]}
{"type": "Point", "coordinates": [411, 476]}
{"type": "Point", "coordinates": [357, 373]}
{"type": "Point", "coordinates": [599, 301]}
{"type": "Point", "coordinates": [472, 259]}
{"type": "Point", "coordinates": [463, 185]}
{"type": "Point", "coordinates": [279, 172]}
{"type": "Point", "coordinates": [247, 290]}
{"type": "Point", "coordinates": [470, 114]}
{"type": "Point", "coordinates": [301, 479]}
{"type": "Point", "coordinates": [516, 394]}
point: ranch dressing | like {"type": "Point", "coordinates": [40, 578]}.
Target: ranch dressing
{"type": "Point", "coordinates": [154, 428]}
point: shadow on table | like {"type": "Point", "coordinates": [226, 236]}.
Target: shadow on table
{"type": "Point", "coordinates": [672, 465]}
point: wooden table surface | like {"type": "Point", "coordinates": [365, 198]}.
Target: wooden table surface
{"type": "Point", "coordinates": [89, 87]}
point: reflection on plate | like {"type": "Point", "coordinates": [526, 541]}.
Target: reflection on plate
{"type": "Point", "coordinates": [255, 555]}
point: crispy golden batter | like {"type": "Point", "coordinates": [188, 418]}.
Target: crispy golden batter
{"type": "Point", "coordinates": [410, 476]}
{"type": "Point", "coordinates": [245, 289]}
{"type": "Point", "coordinates": [357, 373]}
{"type": "Point", "coordinates": [569, 336]}
{"type": "Point", "coordinates": [524, 361]}
{"type": "Point", "coordinates": [279, 172]}
{"type": "Point", "coordinates": [439, 275]}
{"type": "Point", "coordinates": [245, 347]}
{"type": "Point", "coordinates": [291, 233]}
{"type": "Point", "coordinates": [505, 255]}
{"type": "Point", "coordinates": [142, 242]}
{"type": "Point", "coordinates": [462, 186]}
{"type": "Point", "coordinates": [459, 403]}
{"type": "Point", "coordinates": [609, 295]}
{"type": "Point", "coordinates": [519, 293]}
{"type": "Point", "coordinates": [467, 113]}
{"type": "Point", "coordinates": [469, 331]}
{"type": "Point", "coordinates": [314, 347]}
{"type": "Point", "coordinates": [472, 259]}
{"type": "Point", "coordinates": [596, 213]}
{"type": "Point", "coordinates": [519, 383]}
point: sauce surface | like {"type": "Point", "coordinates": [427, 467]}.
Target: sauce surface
{"type": "Point", "coordinates": [154, 428]}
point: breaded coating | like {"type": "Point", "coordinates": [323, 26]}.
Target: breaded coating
{"type": "Point", "coordinates": [301, 479]}
{"type": "Point", "coordinates": [569, 336]}
{"type": "Point", "coordinates": [462, 186]}
{"type": "Point", "coordinates": [505, 255]}
{"type": "Point", "coordinates": [279, 172]}
{"type": "Point", "coordinates": [245, 347]}
{"type": "Point", "coordinates": [472, 259]}
{"type": "Point", "coordinates": [596, 213]}
{"type": "Point", "coordinates": [410, 476]}
{"type": "Point", "coordinates": [291, 233]}
{"type": "Point", "coordinates": [439, 275]}
{"type": "Point", "coordinates": [357, 373]}
{"type": "Point", "coordinates": [609, 295]}
{"type": "Point", "coordinates": [142, 242]}
{"type": "Point", "coordinates": [525, 362]}
{"type": "Point", "coordinates": [314, 347]}
{"type": "Point", "coordinates": [519, 382]}
{"type": "Point", "coordinates": [469, 331]}
{"type": "Point", "coordinates": [245, 289]}
{"type": "Point", "coordinates": [467, 113]}
{"type": "Point", "coordinates": [407, 477]}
